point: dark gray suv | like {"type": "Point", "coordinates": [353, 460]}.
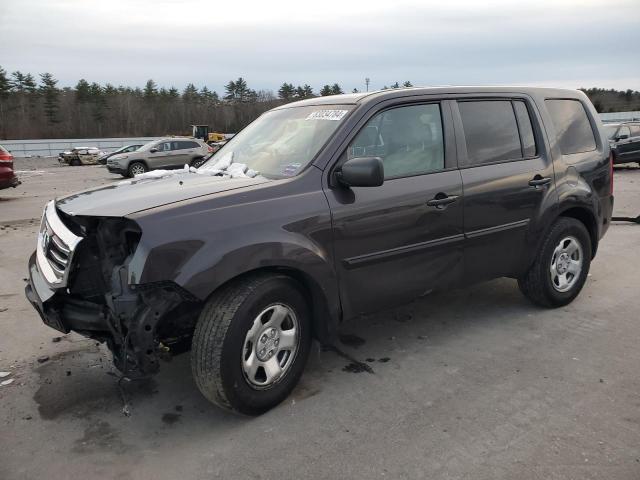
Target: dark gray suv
{"type": "Point", "coordinates": [320, 211]}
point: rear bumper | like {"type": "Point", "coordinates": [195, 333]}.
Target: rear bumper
{"type": "Point", "coordinates": [607, 212]}
{"type": "Point", "coordinates": [9, 182]}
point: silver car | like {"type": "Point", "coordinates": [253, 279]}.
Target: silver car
{"type": "Point", "coordinates": [167, 153]}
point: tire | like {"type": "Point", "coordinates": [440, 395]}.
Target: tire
{"type": "Point", "coordinates": [197, 162]}
{"type": "Point", "coordinates": [75, 162]}
{"type": "Point", "coordinates": [220, 352]}
{"type": "Point", "coordinates": [543, 284]}
{"type": "Point", "coordinates": [136, 168]}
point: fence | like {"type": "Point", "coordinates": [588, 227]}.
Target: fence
{"type": "Point", "coordinates": [51, 147]}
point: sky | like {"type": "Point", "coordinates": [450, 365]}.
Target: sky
{"type": "Point", "coordinates": [126, 42]}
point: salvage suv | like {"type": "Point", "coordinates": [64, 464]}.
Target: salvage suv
{"type": "Point", "coordinates": [320, 211]}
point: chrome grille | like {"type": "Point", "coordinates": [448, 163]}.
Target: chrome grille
{"type": "Point", "coordinates": [56, 244]}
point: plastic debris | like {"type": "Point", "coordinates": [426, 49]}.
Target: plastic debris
{"type": "Point", "coordinates": [7, 382]}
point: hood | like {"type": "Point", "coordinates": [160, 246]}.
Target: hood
{"type": "Point", "coordinates": [130, 196]}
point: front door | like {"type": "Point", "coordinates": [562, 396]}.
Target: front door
{"type": "Point", "coordinates": [506, 176]}
{"type": "Point", "coordinates": [404, 238]}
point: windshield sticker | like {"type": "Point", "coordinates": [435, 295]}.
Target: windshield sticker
{"type": "Point", "coordinates": [327, 115]}
{"type": "Point", "coordinates": [291, 170]}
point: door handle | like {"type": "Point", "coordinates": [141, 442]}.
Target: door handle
{"type": "Point", "coordinates": [539, 181]}
{"type": "Point", "coordinates": [441, 200]}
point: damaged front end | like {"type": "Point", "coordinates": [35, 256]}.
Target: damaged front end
{"type": "Point", "coordinates": [78, 281]}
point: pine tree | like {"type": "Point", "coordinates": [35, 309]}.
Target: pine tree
{"type": "Point", "coordinates": [287, 91]}
{"type": "Point", "coordinates": [29, 83]}
{"type": "Point", "coordinates": [395, 85]}
{"type": "Point", "coordinates": [190, 93]}
{"type": "Point", "coordinates": [150, 89]}
{"type": "Point", "coordinates": [17, 81]}
{"type": "Point", "coordinates": [336, 89]}
{"type": "Point", "coordinates": [5, 85]}
{"type": "Point", "coordinates": [326, 90]}
{"type": "Point", "coordinates": [407, 84]}
{"type": "Point", "coordinates": [51, 101]}
{"type": "Point", "coordinates": [82, 91]}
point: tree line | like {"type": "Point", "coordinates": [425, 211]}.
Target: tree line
{"type": "Point", "coordinates": [39, 108]}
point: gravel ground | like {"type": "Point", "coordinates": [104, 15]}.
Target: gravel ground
{"type": "Point", "coordinates": [468, 384]}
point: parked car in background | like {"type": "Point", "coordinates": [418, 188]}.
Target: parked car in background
{"type": "Point", "coordinates": [624, 139]}
{"type": "Point", "coordinates": [362, 202]}
{"type": "Point", "coordinates": [8, 177]}
{"type": "Point", "coordinates": [102, 160]}
{"type": "Point", "coordinates": [167, 153]}
{"type": "Point", "coordinates": [80, 156]}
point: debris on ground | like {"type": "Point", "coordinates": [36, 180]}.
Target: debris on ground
{"type": "Point", "coordinates": [56, 339]}
{"type": "Point", "coordinates": [4, 374]}
{"type": "Point", "coordinates": [3, 309]}
{"type": "Point", "coordinates": [43, 358]}
{"type": "Point", "coordinates": [7, 382]}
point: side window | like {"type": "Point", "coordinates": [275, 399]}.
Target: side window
{"type": "Point", "coordinates": [490, 131]}
{"type": "Point", "coordinates": [624, 130]}
{"type": "Point", "coordinates": [526, 130]}
{"type": "Point", "coordinates": [572, 126]}
{"type": "Point", "coordinates": [164, 146]}
{"type": "Point", "coordinates": [635, 130]}
{"type": "Point", "coordinates": [409, 140]}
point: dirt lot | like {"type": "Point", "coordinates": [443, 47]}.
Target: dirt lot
{"type": "Point", "coordinates": [474, 384]}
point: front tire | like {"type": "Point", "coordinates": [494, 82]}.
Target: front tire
{"type": "Point", "coordinates": [251, 343]}
{"type": "Point", "coordinates": [136, 168]}
{"type": "Point", "coordinates": [561, 267]}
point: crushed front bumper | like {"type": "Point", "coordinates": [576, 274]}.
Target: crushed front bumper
{"type": "Point", "coordinates": [61, 312]}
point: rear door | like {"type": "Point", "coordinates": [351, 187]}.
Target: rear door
{"type": "Point", "coordinates": [506, 175]}
{"type": "Point", "coordinates": [395, 242]}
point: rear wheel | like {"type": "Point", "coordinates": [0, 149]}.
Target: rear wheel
{"type": "Point", "coordinates": [561, 268]}
{"type": "Point", "coordinates": [136, 168]}
{"type": "Point", "coordinates": [251, 343]}
{"type": "Point", "coordinates": [75, 162]}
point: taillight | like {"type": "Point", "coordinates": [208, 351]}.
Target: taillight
{"type": "Point", "coordinates": [6, 157]}
{"type": "Point", "coordinates": [611, 173]}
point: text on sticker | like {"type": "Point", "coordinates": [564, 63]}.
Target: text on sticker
{"type": "Point", "coordinates": [327, 115]}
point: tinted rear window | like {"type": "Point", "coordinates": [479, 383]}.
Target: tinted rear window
{"type": "Point", "coordinates": [490, 131]}
{"type": "Point", "coordinates": [574, 131]}
{"type": "Point", "coordinates": [185, 144]}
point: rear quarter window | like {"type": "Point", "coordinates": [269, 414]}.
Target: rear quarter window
{"type": "Point", "coordinates": [572, 126]}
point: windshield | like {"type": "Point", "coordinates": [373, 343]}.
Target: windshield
{"type": "Point", "coordinates": [281, 143]}
{"type": "Point", "coordinates": [610, 131]}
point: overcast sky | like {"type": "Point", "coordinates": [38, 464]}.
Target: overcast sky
{"type": "Point", "coordinates": [125, 42]}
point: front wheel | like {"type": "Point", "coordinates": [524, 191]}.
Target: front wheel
{"type": "Point", "coordinates": [251, 343]}
{"type": "Point", "coordinates": [136, 168]}
{"type": "Point", "coordinates": [561, 267]}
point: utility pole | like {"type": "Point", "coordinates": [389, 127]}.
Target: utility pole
{"type": "Point", "coordinates": [366, 81]}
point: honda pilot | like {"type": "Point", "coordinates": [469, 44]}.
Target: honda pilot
{"type": "Point", "coordinates": [320, 211]}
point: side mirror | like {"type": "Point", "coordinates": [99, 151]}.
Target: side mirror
{"type": "Point", "coordinates": [622, 137]}
{"type": "Point", "coordinates": [153, 150]}
{"type": "Point", "coordinates": [361, 172]}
